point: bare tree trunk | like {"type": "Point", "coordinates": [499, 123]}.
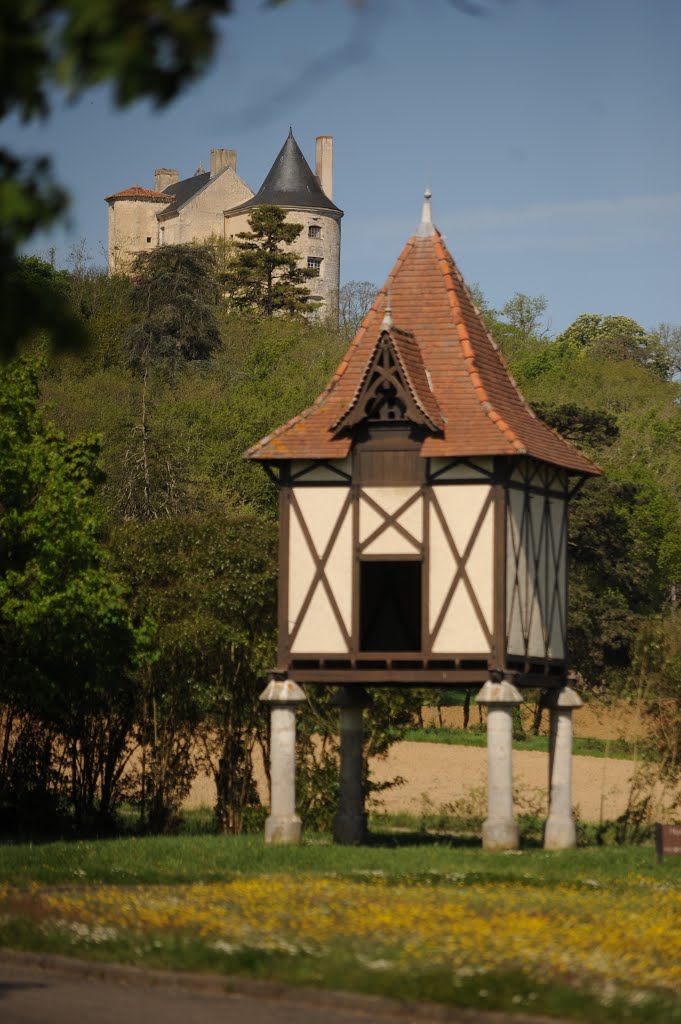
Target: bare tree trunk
{"type": "Point", "coordinates": [145, 458]}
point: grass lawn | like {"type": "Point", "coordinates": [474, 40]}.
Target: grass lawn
{"type": "Point", "coordinates": [470, 738]}
{"type": "Point", "coordinates": [591, 934]}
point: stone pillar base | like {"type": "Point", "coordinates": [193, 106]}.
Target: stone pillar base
{"type": "Point", "coordinates": [560, 834]}
{"type": "Point", "coordinates": [283, 829]}
{"type": "Point", "coordinates": [500, 835]}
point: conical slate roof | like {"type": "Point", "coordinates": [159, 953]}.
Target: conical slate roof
{"type": "Point", "coordinates": [481, 410]}
{"type": "Point", "coordinates": [290, 182]}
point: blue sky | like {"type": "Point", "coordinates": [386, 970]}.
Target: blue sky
{"type": "Point", "coordinates": [548, 131]}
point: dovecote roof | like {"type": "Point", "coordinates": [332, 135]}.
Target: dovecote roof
{"type": "Point", "coordinates": [452, 364]}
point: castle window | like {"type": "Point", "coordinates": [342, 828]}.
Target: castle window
{"type": "Point", "coordinates": [314, 263]}
{"type": "Point", "coordinates": [314, 231]}
{"type": "Point", "coordinates": [148, 238]}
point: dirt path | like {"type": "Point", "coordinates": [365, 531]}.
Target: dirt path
{"type": "Point", "coordinates": [436, 775]}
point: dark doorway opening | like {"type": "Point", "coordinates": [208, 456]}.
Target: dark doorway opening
{"type": "Point", "coordinates": [390, 606]}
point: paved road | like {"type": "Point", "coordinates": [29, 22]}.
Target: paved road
{"type": "Point", "coordinates": [32, 995]}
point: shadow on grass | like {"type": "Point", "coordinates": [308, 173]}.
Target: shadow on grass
{"type": "Point", "coordinates": [402, 839]}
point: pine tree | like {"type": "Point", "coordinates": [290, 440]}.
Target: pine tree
{"type": "Point", "coordinates": [265, 275]}
{"type": "Point", "coordinates": [176, 292]}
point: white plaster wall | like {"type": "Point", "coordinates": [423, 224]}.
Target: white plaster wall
{"type": "Point", "coordinates": [537, 609]}
{"type": "Point", "coordinates": [558, 556]}
{"type": "Point", "coordinates": [320, 509]}
{"type": "Point", "coordinates": [314, 471]}
{"type": "Point", "coordinates": [461, 630]}
{"type": "Point", "coordinates": [461, 471]}
{"type": "Point", "coordinates": [537, 552]}
{"type": "Point", "coordinates": [516, 602]}
{"type": "Point", "coordinates": [390, 541]}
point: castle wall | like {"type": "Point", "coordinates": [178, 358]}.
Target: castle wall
{"type": "Point", "coordinates": [324, 289]}
{"type": "Point", "coordinates": [138, 223]}
{"type": "Point", "coordinates": [133, 228]}
{"type": "Point", "coordinates": [202, 216]}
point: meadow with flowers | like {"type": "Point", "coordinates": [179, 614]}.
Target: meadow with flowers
{"type": "Point", "coordinates": [592, 933]}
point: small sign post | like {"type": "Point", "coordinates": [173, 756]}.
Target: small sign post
{"type": "Point", "coordinates": [667, 841]}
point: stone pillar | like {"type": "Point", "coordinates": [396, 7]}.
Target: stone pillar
{"type": "Point", "coordinates": [283, 824]}
{"type": "Point", "coordinates": [350, 823]}
{"type": "Point", "coordinates": [559, 831]}
{"type": "Point", "coordinates": [500, 830]}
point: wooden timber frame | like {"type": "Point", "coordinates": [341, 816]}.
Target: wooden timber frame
{"type": "Point", "coordinates": [528, 500]}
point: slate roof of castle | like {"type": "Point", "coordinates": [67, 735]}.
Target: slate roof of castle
{"type": "Point", "coordinates": [182, 191]}
{"type": "Point", "coordinates": [290, 182]}
{"type": "Point", "coordinates": [480, 407]}
{"type": "Point", "coordinates": [137, 192]}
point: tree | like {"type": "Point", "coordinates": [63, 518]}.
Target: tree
{"type": "Point", "coordinates": [175, 294]}
{"type": "Point", "coordinates": [658, 668]}
{"type": "Point", "coordinates": [516, 327]}
{"type": "Point", "coordinates": [618, 338]}
{"type": "Point", "coordinates": [209, 583]}
{"type": "Point", "coordinates": [67, 643]}
{"type": "Point", "coordinates": [34, 296]}
{"type": "Point", "coordinates": [354, 302]}
{"type": "Point", "coordinates": [525, 312]}
{"type": "Point", "coordinates": [77, 45]}
{"type": "Point", "coordinates": [669, 335]}
{"type": "Point", "coordinates": [265, 276]}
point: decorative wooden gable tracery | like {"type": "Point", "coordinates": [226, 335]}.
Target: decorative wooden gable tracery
{"type": "Point", "coordinates": [395, 387]}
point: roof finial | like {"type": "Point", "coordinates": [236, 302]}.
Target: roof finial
{"type": "Point", "coordinates": [290, 132]}
{"type": "Point", "coordinates": [426, 226]}
{"type": "Point", "coordinates": [387, 316]}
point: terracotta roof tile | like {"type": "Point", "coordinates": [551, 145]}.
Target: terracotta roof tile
{"type": "Point", "coordinates": [449, 355]}
{"type": "Point", "coordinates": [137, 192]}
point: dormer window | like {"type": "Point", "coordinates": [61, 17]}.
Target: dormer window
{"type": "Point", "coordinates": [314, 263]}
{"type": "Point", "coordinates": [314, 231]}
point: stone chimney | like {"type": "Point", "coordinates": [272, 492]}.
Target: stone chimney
{"type": "Point", "coordinates": [163, 177]}
{"type": "Point", "coordinates": [221, 158]}
{"type": "Point", "coordinates": [324, 163]}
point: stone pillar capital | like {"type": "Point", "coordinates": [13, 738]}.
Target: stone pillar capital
{"type": "Point", "coordinates": [283, 691]}
{"type": "Point", "coordinates": [565, 697]}
{"type": "Point", "coordinates": [495, 693]}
